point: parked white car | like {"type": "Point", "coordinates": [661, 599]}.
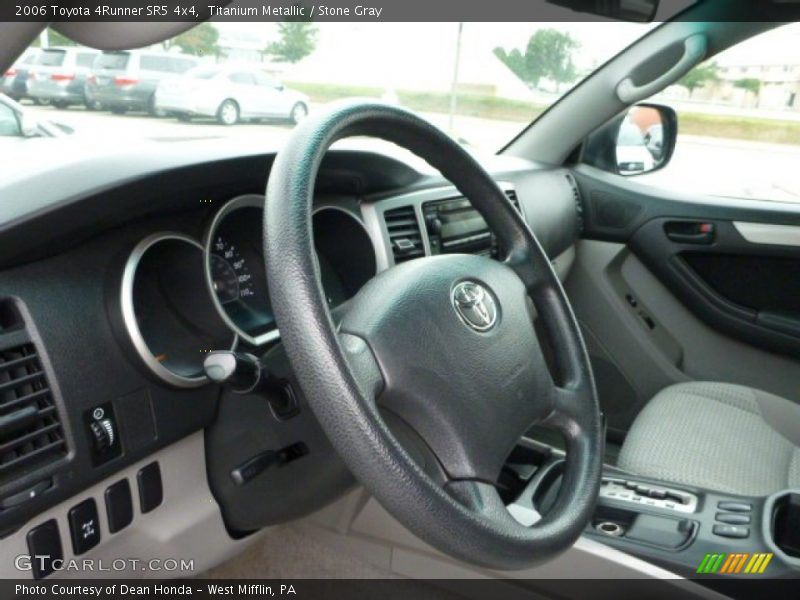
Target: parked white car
{"type": "Point", "coordinates": [230, 94]}
{"type": "Point", "coordinates": [633, 155]}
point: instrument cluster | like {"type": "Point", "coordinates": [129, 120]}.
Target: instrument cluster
{"type": "Point", "coordinates": [181, 298]}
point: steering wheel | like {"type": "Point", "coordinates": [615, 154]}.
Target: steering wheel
{"type": "Point", "coordinates": [440, 351]}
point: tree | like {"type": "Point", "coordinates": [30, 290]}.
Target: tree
{"type": "Point", "coordinates": [551, 51]}
{"type": "Point", "coordinates": [514, 60]}
{"type": "Point", "coordinates": [749, 84]}
{"type": "Point", "coordinates": [297, 40]}
{"type": "Point", "coordinates": [200, 41]}
{"type": "Point", "coordinates": [700, 76]}
{"type": "Point", "coordinates": [548, 54]}
{"type": "Point", "coordinates": [54, 38]}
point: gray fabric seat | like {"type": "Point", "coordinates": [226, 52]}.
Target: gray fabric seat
{"type": "Point", "coordinates": [723, 437]}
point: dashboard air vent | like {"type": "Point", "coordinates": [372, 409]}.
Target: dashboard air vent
{"type": "Point", "coordinates": [576, 196]}
{"type": "Point", "coordinates": [31, 435]}
{"type": "Point", "coordinates": [404, 233]}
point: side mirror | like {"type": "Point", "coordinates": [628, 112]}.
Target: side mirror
{"type": "Point", "coordinates": [641, 140]}
{"type": "Point", "coordinates": [10, 122]}
{"type": "Point", "coordinates": [30, 127]}
{"type": "Point", "coordinates": [280, 87]}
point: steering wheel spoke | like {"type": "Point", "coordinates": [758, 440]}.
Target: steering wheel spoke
{"type": "Point", "coordinates": [362, 365]}
{"type": "Point", "coordinates": [482, 498]}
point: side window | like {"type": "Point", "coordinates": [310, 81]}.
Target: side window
{"type": "Point", "coordinates": [739, 122]}
{"type": "Point", "coordinates": [149, 62]}
{"type": "Point", "coordinates": [85, 59]}
{"type": "Point", "coordinates": [242, 78]}
{"type": "Point", "coordinates": [181, 65]}
{"type": "Point", "coordinates": [264, 81]}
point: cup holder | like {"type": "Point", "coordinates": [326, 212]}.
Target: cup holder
{"type": "Point", "coordinates": [783, 512]}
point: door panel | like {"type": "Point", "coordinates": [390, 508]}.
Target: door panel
{"type": "Point", "coordinates": [750, 291]}
{"type": "Point", "coordinates": [676, 292]}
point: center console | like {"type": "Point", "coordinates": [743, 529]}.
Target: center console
{"type": "Point", "coordinates": [688, 530]}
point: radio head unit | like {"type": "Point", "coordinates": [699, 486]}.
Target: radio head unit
{"type": "Point", "coordinates": [454, 226]}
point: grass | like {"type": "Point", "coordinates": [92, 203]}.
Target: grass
{"type": "Point", "coordinates": [491, 107]}
{"type": "Point", "coordinates": [740, 128]}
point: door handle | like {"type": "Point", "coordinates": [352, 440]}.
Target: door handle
{"type": "Point", "coordinates": [690, 232]}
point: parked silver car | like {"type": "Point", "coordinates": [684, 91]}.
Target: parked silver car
{"type": "Point", "coordinates": [59, 76]}
{"type": "Point", "coordinates": [14, 82]}
{"type": "Point", "coordinates": [122, 81]}
{"type": "Point", "coordinates": [230, 94]}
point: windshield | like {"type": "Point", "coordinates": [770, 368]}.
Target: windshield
{"type": "Point", "coordinates": [480, 82]}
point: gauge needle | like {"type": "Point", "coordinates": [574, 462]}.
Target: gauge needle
{"type": "Point", "coordinates": [161, 357]}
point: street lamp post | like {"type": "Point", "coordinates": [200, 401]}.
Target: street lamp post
{"type": "Point", "coordinates": [454, 85]}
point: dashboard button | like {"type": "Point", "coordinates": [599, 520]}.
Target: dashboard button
{"type": "Point", "coordinates": [84, 526]}
{"type": "Point", "coordinates": [119, 506]}
{"type": "Point", "coordinates": [44, 547]}
{"type": "Point", "coordinates": [731, 531]}
{"type": "Point", "coordinates": [151, 492]}
{"type": "Point", "coordinates": [733, 506]}
{"type": "Point", "coordinates": [733, 518]}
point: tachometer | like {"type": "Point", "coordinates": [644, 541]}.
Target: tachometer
{"type": "Point", "coordinates": [171, 328]}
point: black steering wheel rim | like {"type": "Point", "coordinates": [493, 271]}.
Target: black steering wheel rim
{"type": "Point", "coordinates": [341, 379]}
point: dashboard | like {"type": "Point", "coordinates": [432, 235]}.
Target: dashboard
{"type": "Point", "coordinates": [123, 278]}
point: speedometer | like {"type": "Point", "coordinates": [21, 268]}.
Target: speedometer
{"type": "Point", "coordinates": [235, 269]}
{"type": "Point", "coordinates": [231, 279]}
{"type": "Point", "coordinates": [236, 273]}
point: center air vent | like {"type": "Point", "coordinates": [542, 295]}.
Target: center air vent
{"type": "Point", "coordinates": [31, 435]}
{"type": "Point", "coordinates": [405, 236]}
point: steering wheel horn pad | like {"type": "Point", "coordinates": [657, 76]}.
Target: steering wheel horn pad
{"type": "Point", "coordinates": [444, 343]}
{"type": "Point", "coordinates": [469, 394]}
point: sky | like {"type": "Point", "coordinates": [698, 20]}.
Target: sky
{"type": "Point", "coordinates": [599, 41]}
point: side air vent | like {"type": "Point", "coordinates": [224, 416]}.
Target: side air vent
{"type": "Point", "coordinates": [404, 233]}
{"type": "Point", "coordinates": [31, 435]}
{"type": "Point", "coordinates": [576, 196]}
{"type": "Point", "coordinates": [512, 195]}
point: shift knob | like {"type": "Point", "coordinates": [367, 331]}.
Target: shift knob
{"type": "Point", "coordinates": [241, 371]}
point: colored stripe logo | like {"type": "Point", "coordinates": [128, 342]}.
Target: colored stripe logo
{"type": "Point", "coordinates": [741, 563]}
